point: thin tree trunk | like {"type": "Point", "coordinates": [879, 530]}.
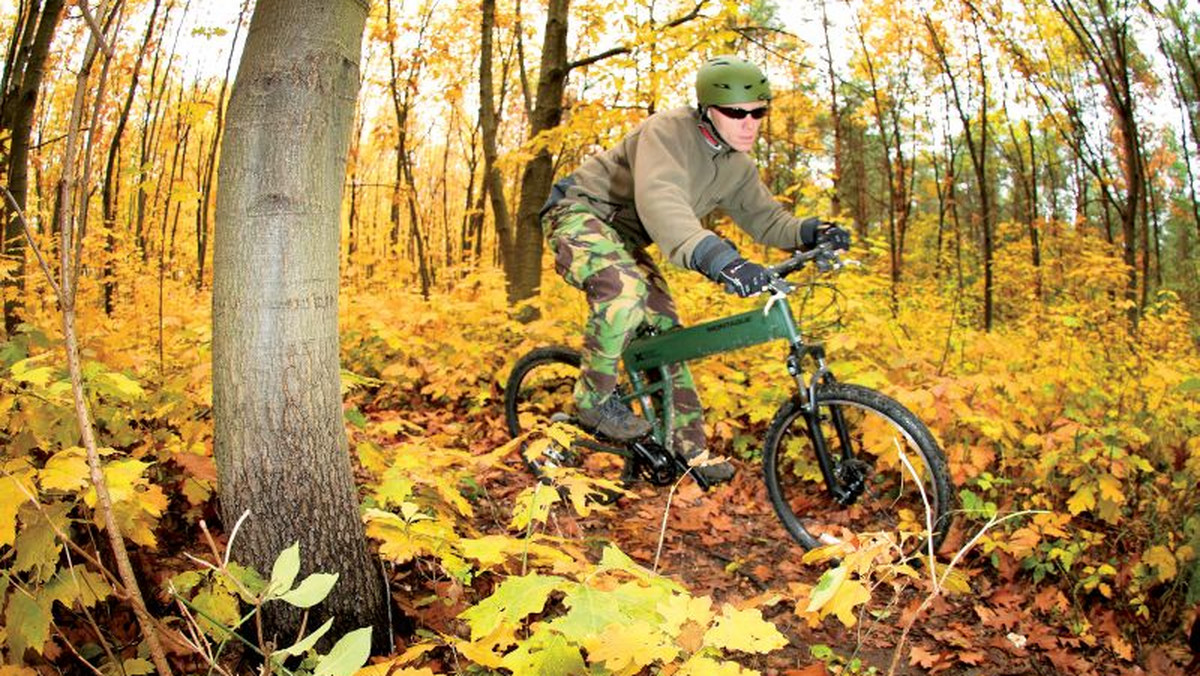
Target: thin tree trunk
{"type": "Point", "coordinates": [23, 79]}
{"type": "Point", "coordinates": [493, 184]}
{"type": "Point", "coordinates": [152, 125]}
{"type": "Point", "coordinates": [835, 113]}
{"type": "Point", "coordinates": [110, 189]}
{"type": "Point", "coordinates": [71, 237]}
{"type": "Point", "coordinates": [978, 149]}
{"type": "Point", "coordinates": [210, 159]}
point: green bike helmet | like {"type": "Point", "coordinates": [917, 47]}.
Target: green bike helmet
{"type": "Point", "coordinates": [725, 80]}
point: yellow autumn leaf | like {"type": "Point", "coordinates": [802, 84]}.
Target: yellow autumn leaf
{"type": "Point", "coordinates": [1083, 500]}
{"type": "Point", "coordinates": [956, 580]}
{"type": "Point", "coordinates": [27, 371]}
{"type": "Point", "coordinates": [744, 630]}
{"type": "Point", "coordinates": [699, 665]}
{"type": "Point", "coordinates": [837, 594]}
{"type": "Point", "coordinates": [127, 387]}
{"type": "Point", "coordinates": [392, 668]}
{"type": "Point", "coordinates": [827, 587]}
{"type": "Point", "coordinates": [16, 474]}
{"type": "Point", "coordinates": [851, 594]}
{"type": "Point", "coordinates": [1110, 489]}
{"type": "Point", "coordinates": [628, 648]}
{"type": "Point", "coordinates": [533, 506]}
{"type": "Point", "coordinates": [679, 609]}
{"type": "Point", "coordinates": [479, 653]}
{"type": "Point", "coordinates": [1163, 562]}
{"type": "Point", "coordinates": [65, 471]}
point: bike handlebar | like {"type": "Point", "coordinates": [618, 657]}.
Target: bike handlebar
{"type": "Point", "coordinates": [823, 256]}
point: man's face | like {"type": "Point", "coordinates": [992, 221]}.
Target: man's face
{"type": "Point", "coordinates": [740, 134]}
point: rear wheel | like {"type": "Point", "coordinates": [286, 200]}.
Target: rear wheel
{"type": "Point", "coordinates": [539, 395]}
{"type": "Point", "coordinates": [883, 494]}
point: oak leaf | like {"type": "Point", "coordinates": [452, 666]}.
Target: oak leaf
{"type": "Point", "coordinates": [921, 657]}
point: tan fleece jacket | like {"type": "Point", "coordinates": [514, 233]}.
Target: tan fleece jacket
{"type": "Point", "coordinates": [672, 170]}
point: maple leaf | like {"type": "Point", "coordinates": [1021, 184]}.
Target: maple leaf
{"type": "Point", "coordinates": [65, 471]}
{"type": "Point", "coordinates": [1121, 647]}
{"type": "Point", "coordinates": [492, 551]}
{"type": "Point", "coordinates": [836, 593]}
{"type": "Point", "coordinates": [546, 653]}
{"type": "Point", "coordinates": [1163, 562]}
{"type": "Point", "coordinates": [28, 623]}
{"type": "Point", "coordinates": [12, 496]}
{"type": "Point", "coordinates": [628, 648]}
{"type": "Point", "coordinates": [78, 585]}
{"type": "Point", "coordinates": [533, 506]}
{"type": "Point", "coordinates": [700, 665]}
{"type": "Point", "coordinates": [1083, 500]}
{"type": "Point", "coordinates": [971, 657]}
{"type": "Point", "coordinates": [37, 545]}
{"type": "Point", "coordinates": [851, 594]}
{"type": "Point", "coordinates": [390, 668]}
{"type": "Point", "coordinates": [512, 600]}
{"type": "Point", "coordinates": [679, 609]}
{"type": "Point", "coordinates": [744, 630]}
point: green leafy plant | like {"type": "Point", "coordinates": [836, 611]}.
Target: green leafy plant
{"type": "Point", "coordinates": [212, 599]}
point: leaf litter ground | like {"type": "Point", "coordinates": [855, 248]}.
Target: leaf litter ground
{"type": "Point", "coordinates": [728, 544]}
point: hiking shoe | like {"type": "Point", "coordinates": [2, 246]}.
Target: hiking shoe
{"type": "Point", "coordinates": [713, 471]}
{"type": "Point", "coordinates": [614, 420]}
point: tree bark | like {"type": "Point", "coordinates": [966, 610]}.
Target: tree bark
{"type": "Point", "coordinates": [280, 442]}
{"type": "Point", "coordinates": [493, 183]}
{"type": "Point", "coordinates": [523, 264]}
{"type": "Point", "coordinates": [22, 80]}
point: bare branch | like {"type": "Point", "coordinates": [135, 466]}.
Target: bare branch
{"type": "Point", "coordinates": [625, 49]}
{"type": "Point", "coordinates": [32, 244]}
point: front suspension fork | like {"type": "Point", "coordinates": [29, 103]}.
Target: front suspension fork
{"type": "Point", "coordinates": [842, 493]}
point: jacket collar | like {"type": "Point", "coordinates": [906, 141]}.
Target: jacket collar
{"type": "Point", "coordinates": [708, 133]}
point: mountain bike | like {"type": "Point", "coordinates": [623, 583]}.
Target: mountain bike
{"type": "Point", "coordinates": [838, 458]}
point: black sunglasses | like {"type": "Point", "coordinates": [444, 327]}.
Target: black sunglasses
{"type": "Point", "coordinates": [741, 113]}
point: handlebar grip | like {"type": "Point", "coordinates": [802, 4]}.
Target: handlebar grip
{"type": "Point", "coordinates": [799, 260]}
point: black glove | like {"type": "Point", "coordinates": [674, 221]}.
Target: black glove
{"type": "Point", "coordinates": [745, 278]}
{"type": "Point", "coordinates": [814, 231]}
{"type": "Point", "coordinates": [718, 260]}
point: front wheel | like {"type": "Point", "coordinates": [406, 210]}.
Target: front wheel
{"type": "Point", "coordinates": [865, 433]}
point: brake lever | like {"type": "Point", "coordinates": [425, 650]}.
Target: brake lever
{"type": "Point", "coordinates": [779, 288]}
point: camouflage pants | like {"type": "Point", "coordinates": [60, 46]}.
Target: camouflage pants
{"type": "Point", "coordinates": [624, 290]}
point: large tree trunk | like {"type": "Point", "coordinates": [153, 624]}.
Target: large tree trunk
{"type": "Point", "coordinates": [280, 441]}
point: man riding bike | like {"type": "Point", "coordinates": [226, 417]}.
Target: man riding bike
{"type": "Point", "coordinates": [653, 187]}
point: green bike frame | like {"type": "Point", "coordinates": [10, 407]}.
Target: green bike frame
{"type": "Point", "coordinates": [646, 358]}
